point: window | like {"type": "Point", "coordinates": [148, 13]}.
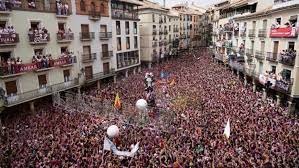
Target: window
{"type": "Point", "coordinates": [102, 8]}
{"type": "Point", "coordinates": [118, 30]}
{"type": "Point", "coordinates": [66, 75]}
{"type": "Point", "coordinates": [291, 46]}
{"type": "Point", "coordinates": [135, 42]}
{"type": "Point", "coordinates": [278, 21]}
{"type": "Point", "coordinates": [293, 20]}
{"type": "Point", "coordinates": [82, 5]}
{"type": "Point", "coordinates": [11, 88]}
{"type": "Point", "coordinates": [153, 16]}
{"type": "Point", "coordinates": [169, 28]}
{"type": "Point", "coordinates": [127, 28]}
{"type": "Point", "coordinates": [273, 69]}
{"type": "Point", "coordinates": [42, 80]}
{"type": "Point", "coordinates": [286, 74]}
{"type": "Point", "coordinates": [128, 42]}
{"type": "Point", "coordinates": [118, 43]}
{"type": "Point", "coordinates": [135, 27]}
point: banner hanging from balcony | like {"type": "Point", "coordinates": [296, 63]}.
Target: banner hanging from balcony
{"type": "Point", "coordinates": [28, 67]}
{"type": "Point", "coordinates": [287, 32]}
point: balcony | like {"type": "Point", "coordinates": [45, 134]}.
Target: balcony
{"type": "Point", "coordinates": [9, 39]}
{"type": "Point", "coordinates": [19, 69]}
{"type": "Point", "coordinates": [65, 37]}
{"type": "Point", "coordinates": [228, 44]}
{"type": "Point", "coordinates": [251, 33]}
{"type": "Point", "coordinates": [120, 14]}
{"type": "Point", "coordinates": [260, 55]}
{"type": "Point", "coordinates": [285, 32]}
{"type": "Point", "coordinates": [287, 59]}
{"type": "Point", "coordinates": [86, 58]}
{"type": "Point", "coordinates": [94, 15]}
{"type": "Point", "coordinates": [101, 75]}
{"type": "Point", "coordinates": [249, 52]}
{"type": "Point", "coordinates": [272, 57]}
{"type": "Point", "coordinates": [176, 30]}
{"type": "Point", "coordinates": [40, 38]}
{"type": "Point", "coordinates": [237, 65]}
{"type": "Point", "coordinates": [106, 55]}
{"type": "Point", "coordinates": [262, 33]}
{"type": "Point", "coordinates": [284, 86]}
{"type": "Point", "coordinates": [161, 32]}
{"type": "Point", "coordinates": [86, 36]}
{"type": "Point", "coordinates": [154, 44]}
{"type": "Point", "coordinates": [243, 34]}
{"type": "Point", "coordinates": [105, 35]}
{"type": "Point", "coordinates": [38, 93]}
{"type": "Point", "coordinates": [284, 3]}
{"type": "Point", "coordinates": [63, 13]}
{"type": "Point", "coordinates": [154, 32]}
{"type": "Point", "coordinates": [161, 43]}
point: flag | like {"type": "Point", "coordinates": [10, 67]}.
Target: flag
{"type": "Point", "coordinates": [117, 103]}
{"type": "Point", "coordinates": [172, 82]}
{"type": "Point", "coordinates": [227, 130]}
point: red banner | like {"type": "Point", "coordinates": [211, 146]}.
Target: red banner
{"type": "Point", "coordinates": [59, 62]}
{"type": "Point", "coordinates": [28, 67]}
{"type": "Point", "coordinates": [287, 32]}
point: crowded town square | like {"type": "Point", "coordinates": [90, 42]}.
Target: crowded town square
{"type": "Point", "coordinates": [197, 113]}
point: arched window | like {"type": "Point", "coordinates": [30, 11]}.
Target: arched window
{"type": "Point", "coordinates": [92, 7]}
{"type": "Point", "coordinates": [82, 5]}
{"type": "Point", "coordinates": [102, 8]}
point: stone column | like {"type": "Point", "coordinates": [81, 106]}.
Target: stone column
{"type": "Point", "coordinates": [134, 71]}
{"type": "Point", "coordinates": [149, 65]}
{"type": "Point", "coordinates": [79, 90]}
{"type": "Point", "coordinates": [254, 86]}
{"type": "Point", "coordinates": [264, 94]}
{"type": "Point", "coordinates": [127, 73]}
{"type": "Point", "coordinates": [139, 69]}
{"type": "Point", "coordinates": [99, 84]}
{"type": "Point", "coordinates": [245, 81]}
{"type": "Point", "coordinates": [238, 74]}
{"type": "Point", "coordinates": [31, 106]}
{"type": "Point", "coordinates": [278, 100]}
{"type": "Point", "coordinates": [114, 79]}
{"type": "Point", "coordinates": [291, 108]}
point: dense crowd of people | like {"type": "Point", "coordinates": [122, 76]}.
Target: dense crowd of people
{"type": "Point", "coordinates": [201, 98]}
{"type": "Point", "coordinates": [288, 56]}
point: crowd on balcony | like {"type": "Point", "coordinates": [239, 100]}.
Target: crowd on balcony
{"type": "Point", "coordinates": [62, 8]}
{"type": "Point", "coordinates": [46, 61]}
{"type": "Point", "coordinates": [38, 34]}
{"type": "Point", "coordinates": [11, 65]}
{"type": "Point", "coordinates": [191, 134]}
{"type": "Point", "coordinates": [65, 34]}
{"type": "Point", "coordinates": [288, 56]}
{"type": "Point", "coordinates": [279, 81]}
{"type": "Point", "coordinates": [9, 4]}
{"type": "Point", "coordinates": [7, 30]}
{"type": "Point", "coordinates": [277, 25]}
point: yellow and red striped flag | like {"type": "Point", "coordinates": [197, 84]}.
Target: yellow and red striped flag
{"type": "Point", "coordinates": [117, 102]}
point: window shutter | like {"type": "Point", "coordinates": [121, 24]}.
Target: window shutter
{"type": "Point", "coordinates": [11, 87]}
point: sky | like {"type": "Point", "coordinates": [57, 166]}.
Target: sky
{"type": "Point", "coordinates": [202, 3]}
